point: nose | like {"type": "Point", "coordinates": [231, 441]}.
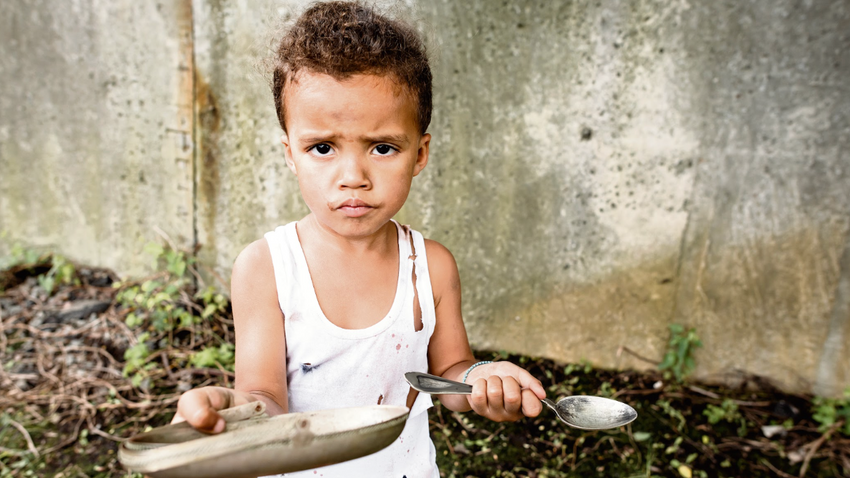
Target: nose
{"type": "Point", "coordinates": [354, 172]}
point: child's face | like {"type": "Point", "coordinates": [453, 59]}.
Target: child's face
{"type": "Point", "coordinates": [355, 147]}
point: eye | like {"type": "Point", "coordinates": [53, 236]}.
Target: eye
{"type": "Point", "coordinates": [384, 150]}
{"type": "Point", "coordinates": [321, 149]}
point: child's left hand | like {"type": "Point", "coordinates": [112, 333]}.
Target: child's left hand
{"type": "Point", "coordinates": [502, 391]}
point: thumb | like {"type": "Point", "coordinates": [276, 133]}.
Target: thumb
{"type": "Point", "coordinates": [200, 408]}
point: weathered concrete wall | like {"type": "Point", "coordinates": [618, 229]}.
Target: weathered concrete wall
{"type": "Point", "coordinates": [95, 127]}
{"type": "Point", "coordinates": [244, 186]}
{"type": "Point", "coordinates": [712, 191]}
{"type": "Point", "coordinates": [599, 170]}
{"type": "Point", "coordinates": [771, 202]}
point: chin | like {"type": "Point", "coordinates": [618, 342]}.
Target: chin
{"type": "Point", "coordinates": [356, 227]}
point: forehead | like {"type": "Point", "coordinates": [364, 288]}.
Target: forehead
{"type": "Point", "coordinates": [362, 101]}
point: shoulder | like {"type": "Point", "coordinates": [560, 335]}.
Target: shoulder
{"type": "Point", "coordinates": [442, 268]}
{"type": "Point", "coordinates": [255, 255]}
{"type": "Point", "coordinates": [439, 255]}
{"type": "Point", "coordinates": [253, 265]}
{"type": "Point", "coordinates": [253, 288]}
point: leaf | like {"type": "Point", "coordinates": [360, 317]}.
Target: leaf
{"type": "Point", "coordinates": [154, 249]}
{"type": "Point", "coordinates": [132, 320]}
{"type": "Point", "coordinates": [669, 361]}
{"type": "Point", "coordinates": [46, 282]}
{"type": "Point", "coordinates": [205, 358]}
{"type": "Point", "coordinates": [186, 319]}
{"type": "Point", "coordinates": [149, 285]}
{"type": "Point", "coordinates": [179, 268]}
{"type": "Point", "coordinates": [209, 310]}
{"type": "Point", "coordinates": [642, 436]}
{"type": "Point", "coordinates": [685, 471]}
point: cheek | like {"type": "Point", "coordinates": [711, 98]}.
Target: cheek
{"type": "Point", "coordinates": [401, 187]}
{"type": "Point", "coordinates": [307, 184]}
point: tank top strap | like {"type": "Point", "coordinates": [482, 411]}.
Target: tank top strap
{"type": "Point", "coordinates": [418, 258]}
{"type": "Point", "coordinates": [283, 263]}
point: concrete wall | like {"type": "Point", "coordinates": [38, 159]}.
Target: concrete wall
{"type": "Point", "coordinates": [96, 127]}
{"type": "Point", "coordinates": [599, 170]}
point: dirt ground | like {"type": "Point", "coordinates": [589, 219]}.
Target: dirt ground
{"type": "Point", "coordinates": [87, 364]}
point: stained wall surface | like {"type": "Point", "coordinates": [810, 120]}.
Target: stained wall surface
{"type": "Point", "coordinates": [599, 170]}
{"type": "Point", "coordinates": [96, 128]}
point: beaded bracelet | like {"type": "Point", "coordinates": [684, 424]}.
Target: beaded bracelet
{"type": "Point", "coordinates": [470, 369]}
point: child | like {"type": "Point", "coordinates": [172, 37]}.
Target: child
{"type": "Point", "coordinates": [332, 310]}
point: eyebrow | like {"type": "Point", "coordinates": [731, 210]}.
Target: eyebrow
{"type": "Point", "coordinates": [390, 138]}
{"type": "Point", "coordinates": [401, 139]}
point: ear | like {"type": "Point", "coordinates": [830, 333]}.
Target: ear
{"type": "Point", "coordinates": [422, 154]}
{"type": "Point", "coordinates": [287, 153]}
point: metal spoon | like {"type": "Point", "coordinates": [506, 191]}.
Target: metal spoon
{"type": "Point", "coordinates": [578, 411]}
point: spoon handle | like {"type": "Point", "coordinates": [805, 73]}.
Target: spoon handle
{"type": "Point", "coordinates": [434, 385]}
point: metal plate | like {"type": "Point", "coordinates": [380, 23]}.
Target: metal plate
{"type": "Point", "coordinates": [264, 446]}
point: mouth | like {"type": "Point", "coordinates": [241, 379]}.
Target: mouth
{"type": "Point", "coordinates": [354, 207]}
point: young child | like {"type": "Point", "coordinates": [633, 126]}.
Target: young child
{"type": "Point", "coordinates": [332, 310]}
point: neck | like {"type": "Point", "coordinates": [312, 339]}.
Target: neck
{"type": "Point", "coordinates": [311, 231]}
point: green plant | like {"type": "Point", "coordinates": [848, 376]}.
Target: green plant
{"type": "Point", "coordinates": [61, 272]}
{"type": "Point", "coordinates": [18, 254]}
{"type": "Point", "coordinates": [20, 259]}
{"type": "Point", "coordinates": [163, 305]}
{"type": "Point", "coordinates": [828, 411]}
{"type": "Point", "coordinates": [678, 360]}
{"type": "Point", "coordinates": [606, 390]}
{"type": "Point", "coordinates": [673, 413]}
{"type": "Point", "coordinates": [221, 356]}
{"type": "Point", "coordinates": [214, 303]}
{"type": "Point", "coordinates": [160, 301]}
{"type": "Point", "coordinates": [137, 361]}
{"type": "Point", "coordinates": [727, 412]}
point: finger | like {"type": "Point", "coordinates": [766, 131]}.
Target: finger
{"type": "Point", "coordinates": [531, 404]}
{"type": "Point", "coordinates": [527, 381]}
{"type": "Point", "coordinates": [478, 398]}
{"type": "Point", "coordinates": [177, 418]}
{"type": "Point", "coordinates": [200, 408]}
{"type": "Point", "coordinates": [512, 394]}
{"type": "Point", "coordinates": [495, 395]}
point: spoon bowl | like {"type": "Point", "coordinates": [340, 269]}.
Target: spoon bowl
{"type": "Point", "coordinates": [578, 411]}
{"type": "Point", "coordinates": [592, 413]}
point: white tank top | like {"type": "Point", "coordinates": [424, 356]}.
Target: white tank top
{"type": "Point", "coordinates": [331, 367]}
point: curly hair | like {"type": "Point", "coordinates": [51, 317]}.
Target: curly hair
{"type": "Point", "coordinates": [342, 39]}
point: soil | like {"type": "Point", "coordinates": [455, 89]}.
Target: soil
{"type": "Point", "coordinates": [66, 403]}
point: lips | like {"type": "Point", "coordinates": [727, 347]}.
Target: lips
{"type": "Point", "coordinates": [354, 207]}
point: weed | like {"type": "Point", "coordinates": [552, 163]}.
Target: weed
{"type": "Point", "coordinates": [21, 255]}
{"type": "Point", "coordinates": [21, 260]}
{"type": "Point", "coordinates": [163, 305]}
{"type": "Point", "coordinates": [827, 411]}
{"type": "Point", "coordinates": [606, 390]}
{"type": "Point", "coordinates": [726, 412]}
{"type": "Point", "coordinates": [678, 360]}
{"type": "Point", "coordinates": [673, 413]}
{"type": "Point", "coordinates": [136, 361]}
{"type": "Point", "coordinates": [62, 272]}
{"type": "Point", "coordinates": [221, 356]}
{"type": "Point", "coordinates": [159, 300]}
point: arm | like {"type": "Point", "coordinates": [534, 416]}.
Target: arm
{"type": "Point", "coordinates": [501, 391]}
{"type": "Point", "coordinates": [260, 347]}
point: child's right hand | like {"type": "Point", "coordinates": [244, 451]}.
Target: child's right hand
{"type": "Point", "coordinates": [502, 391]}
{"type": "Point", "coordinates": [200, 407]}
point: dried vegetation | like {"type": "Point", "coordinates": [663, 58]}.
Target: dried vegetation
{"type": "Point", "coordinates": [88, 361]}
